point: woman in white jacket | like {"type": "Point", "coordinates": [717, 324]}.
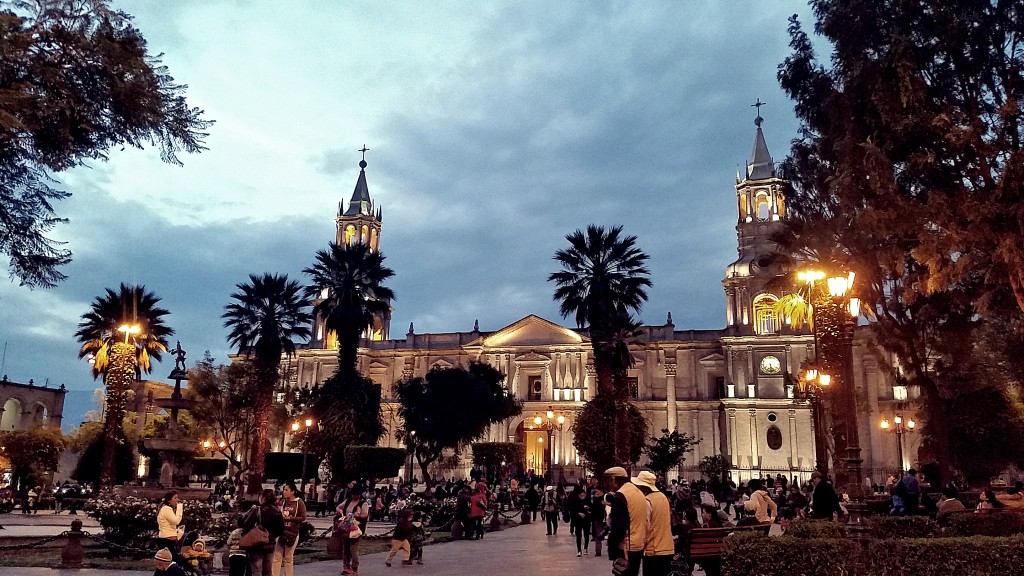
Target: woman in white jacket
{"type": "Point", "coordinates": [168, 519]}
{"type": "Point", "coordinates": [761, 504]}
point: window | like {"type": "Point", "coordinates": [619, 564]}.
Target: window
{"type": "Point", "coordinates": [765, 320]}
{"type": "Point", "coordinates": [762, 206]}
{"type": "Point", "coordinates": [774, 437]}
{"type": "Point", "coordinates": [536, 386]}
{"type": "Point", "coordinates": [634, 387]}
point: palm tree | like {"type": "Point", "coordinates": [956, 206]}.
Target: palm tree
{"type": "Point", "coordinates": [268, 312]}
{"type": "Point", "coordinates": [101, 327]}
{"type": "Point", "coordinates": [603, 278]}
{"type": "Point", "coordinates": [133, 312]}
{"type": "Point", "coordinates": [348, 285]}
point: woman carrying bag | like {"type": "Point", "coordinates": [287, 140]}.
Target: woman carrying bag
{"type": "Point", "coordinates": [294, 511]}
{"type": "Point", "coordinates": [261, 527]}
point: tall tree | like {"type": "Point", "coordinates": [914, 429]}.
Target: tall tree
{"type": "Point", "coordinates": [123, 333]}
{"type": "Point", "coordinates": [669, 450]}
{"type": "Point", "coordinates": [451, 407]}
{"type": "Point", "coordinates": [349, 293]}
{"type": "Point", "coordinates": [603, 280]}
{"type": "Point", "coordinates": [267, 314]}
{"type": "Point", "coordinates": [33, 454]}
{"type": "Point", "coordinates": [911, 138]}
{"type": "Point", "coordinates": [76, 79]}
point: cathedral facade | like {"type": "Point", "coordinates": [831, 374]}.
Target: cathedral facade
{"type": "Point", "coordinates": [726, 387]}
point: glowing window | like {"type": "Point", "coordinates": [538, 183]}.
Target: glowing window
{"type": "Point", "coordinates": [350, 235]}
{"type": "Point", "coordinates": [780, 202]}
{"type": "Point", "coordinates": [762, 206]}
{"type": "Point", "coordinates": [765, 320]}
{"type": "Point", "coordinates": [373, 240]}
{"type": "Point", "coordinates": [365, 237]}
{"type": "Point", "coordinates": [743, 206]}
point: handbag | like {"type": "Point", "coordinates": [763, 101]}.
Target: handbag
{"type": "Point", "coordinates": [257, 536]}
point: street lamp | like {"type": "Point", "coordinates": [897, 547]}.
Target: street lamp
{"type": "Point", "coordinates": [551, 423]}
{"type": "Point", "coordinates": [296, 427]}
{"type": "Point", "coordinates": [811, 385]}
{"type": "Point", "coordinates": [409, 446]}
{"type": "Point", "coordinates": [899, 427]}
{"type": "Point", "coordinates": [129, 329]}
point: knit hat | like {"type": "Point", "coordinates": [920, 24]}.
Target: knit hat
{"type": "Point", "coordinates": [163, 555]}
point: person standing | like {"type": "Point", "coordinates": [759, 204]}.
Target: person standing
{"type": "Point", "coordinates": [417, 535]}
{"type": "Point", "coordinates": [354, 513]}
{"type": "Point", "coordinates": [552, 502]}
{"type": "Point", "coordinates": [659, 546]}
{"type": "Point", "coordinates": [400, 538]}
{"type": "Point", "coordinates": [478, 509]}
{"type": "Point", "coordinates": [627, 534]}
{"type": "Point", "coordinates": [532, 501]}
{"type": "Point", "coordinates": [266, 515]}
{"type": "Point", "coordinates": [321, 500]}
{"type": "Point", "coordinates": [580, 517]}
{"type": "Point", "coordinates": [909, 488]}
{"type": "Point", "coordinates": [597, 519]}
{"type": "Point", "coordinates": [293, 512]}
{"type": "Point", "coordinates": [824, 500]}
{"type": "Point", "coordinates": [167, 520]}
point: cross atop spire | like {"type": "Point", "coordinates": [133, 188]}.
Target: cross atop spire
{"type": "Point", "coordinates": [364, 150]}
{"type": "Point", "coordinates": [758, 104]}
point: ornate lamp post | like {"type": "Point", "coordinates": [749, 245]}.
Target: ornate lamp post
{"type": "Point", "coordinates": [296, 427]}
{"type": "Point", "coordinates": [551, 423]}
{"type": "Point", "coordinates": [899, 427]}
{"type": "Point", "coordinates": [811, 386]}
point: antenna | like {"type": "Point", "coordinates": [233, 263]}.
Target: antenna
{"type": "Point", "coordinates": [3, 361]}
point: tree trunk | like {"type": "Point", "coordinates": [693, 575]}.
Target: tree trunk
{"type": "Point", "coordinates": [267, 375]}
{"type": "Point", "coordinates": [118, 380]}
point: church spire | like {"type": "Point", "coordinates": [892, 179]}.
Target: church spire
{"type": "Point", "coordinates": [360, 204]}
{"type": "Point", "coordinates": [761, 166]}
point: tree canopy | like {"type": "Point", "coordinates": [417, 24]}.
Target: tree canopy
{"type": "Point", "coordinates": [34, 454]}
{"type": "Point", "coordinates": [668, 450]}
{"type": "Point", "coordinates": [596, 438]}
{"type": "Point", "coordinates": [450, 407]}
{"type": "Point", "coordinates": [76, 79]}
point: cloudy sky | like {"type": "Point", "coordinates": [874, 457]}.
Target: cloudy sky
{"type": "Point", "coordinates": [494, 130]}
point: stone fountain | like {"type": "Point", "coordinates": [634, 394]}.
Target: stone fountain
{"type": "Point", "coordinates": [175, 449]}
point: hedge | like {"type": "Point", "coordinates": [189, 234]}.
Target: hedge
{"type": "Point", "coordinates": [985, 524]}
{"type": "Point", "coordinates": [373, 461]}
{"type": "Point", "coordinates": [811, 529]}
{"type": "Point", "coordinates": [761, 555]}
{"type": "Point", "coordinates": [889, 527]}
{"type": "Point", "coordinates": [975, 556]}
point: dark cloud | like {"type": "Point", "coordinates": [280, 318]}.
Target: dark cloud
{"type": "Point", "coordinates": [511, 126]}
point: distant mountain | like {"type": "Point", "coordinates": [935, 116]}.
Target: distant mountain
{"type": "Point", "coordinates": [76, 404]}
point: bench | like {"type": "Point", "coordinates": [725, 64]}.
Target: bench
{"type": "Point", "coordinates": [704, 545]}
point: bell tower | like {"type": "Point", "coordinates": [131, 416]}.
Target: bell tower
{"type": "Point", "coordinates": [761, 212]}
{"type": "Point", "coordinates": [359, 223]}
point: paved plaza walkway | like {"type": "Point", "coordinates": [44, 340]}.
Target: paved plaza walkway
{"type": "Point", "coordinates": [518, 550]}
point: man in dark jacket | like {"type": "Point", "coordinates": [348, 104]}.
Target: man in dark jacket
{"type": "Point", "coordinates": [824, 500]}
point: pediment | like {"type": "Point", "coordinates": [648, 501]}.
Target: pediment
{"type": "Point", "coordinates": [531, 331]}
{"type": "Point", "coordinates": [713, 360]}
{"type": "Point", "coordinates": [377, 366]}
{"type": "Point", "coordinates": [533, 357]}
{"type": "Point", "coordinates": [442, 363]}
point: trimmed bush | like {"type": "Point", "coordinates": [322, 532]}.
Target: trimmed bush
{"type": "Point", "coordinates": [977, 556]}
{"type": "Point", "coordinates": [760, 555]}
{"type": "Point", "coordinates": [997, 523]}
{"type": "Point", "coordinates": [810, 529]}
{"type": "Point", "coordinates": [889, 527]}
{"type": "Point", "coordinates": [373, 461]}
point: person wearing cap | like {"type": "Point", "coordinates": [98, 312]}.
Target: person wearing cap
{"type": "Point", "coordinates": [659, 546]}
{"type": "Point", "coordinates": [627, 534]}
{"type": "Point", "coordinates": [165, 565]}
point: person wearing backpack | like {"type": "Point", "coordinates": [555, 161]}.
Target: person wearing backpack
{"type": "Point", "coordinates": [552, 503]}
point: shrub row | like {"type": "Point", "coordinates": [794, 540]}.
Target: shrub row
{"type": "Point", "coordinates": [964, 524]}
{"type": "Point", "coordinates": [759, 555]}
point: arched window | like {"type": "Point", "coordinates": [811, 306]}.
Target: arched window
{"type": "Point", "coordinates": [373, 239]}
{"type": "Point", "coordinates": [743, 207]}
{"type": "Point", "coordinates": [780, 201]}
{"type": "Point", "coordinates": [765, 320]}
{"type": "Point", "coordinates": [365, 237]}
{"type": "Point", "coordinates": [762, 205]}
{"type": "Point", "coordinates": [350, 235]}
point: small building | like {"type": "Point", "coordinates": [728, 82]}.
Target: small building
{"type": "Point", "coordinates": [24, 406]}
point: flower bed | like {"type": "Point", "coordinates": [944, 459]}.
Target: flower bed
{"type": "Point", "coordinates": [130, 521]}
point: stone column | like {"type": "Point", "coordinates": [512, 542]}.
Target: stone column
{"type": "Point", "coordinates": [670, 395]}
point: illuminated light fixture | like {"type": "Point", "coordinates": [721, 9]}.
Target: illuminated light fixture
{"type": "Point", "coordinates": [824, 379]}
{"type": "Point", "coordinates": [133, 329]}
{"type": "Point", "coordinates": [537, 420]}
{"type": "Point", "coordinates": [855, 307]}
{"type": "Point", "coordinates": [885, 424]}
{"type": "Point", "coordinates": [295, 426]}
{"type": "Point", "coordinates": [550, 414]}
{"type": "Point", "coordinates": [560, 419]}
{"type": "Point", "coordinates": [541, 439]}
{"type": "Point", "coordinates": [309, 422]}
{"type": "Point", "coordinates": [810, 276]}
{"type": "Point", "coordinates": [222, 444]}
{"type": "Point", "coordinates": [911, 424]}
{"type": "Point", "coordinates": [897, 419]}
